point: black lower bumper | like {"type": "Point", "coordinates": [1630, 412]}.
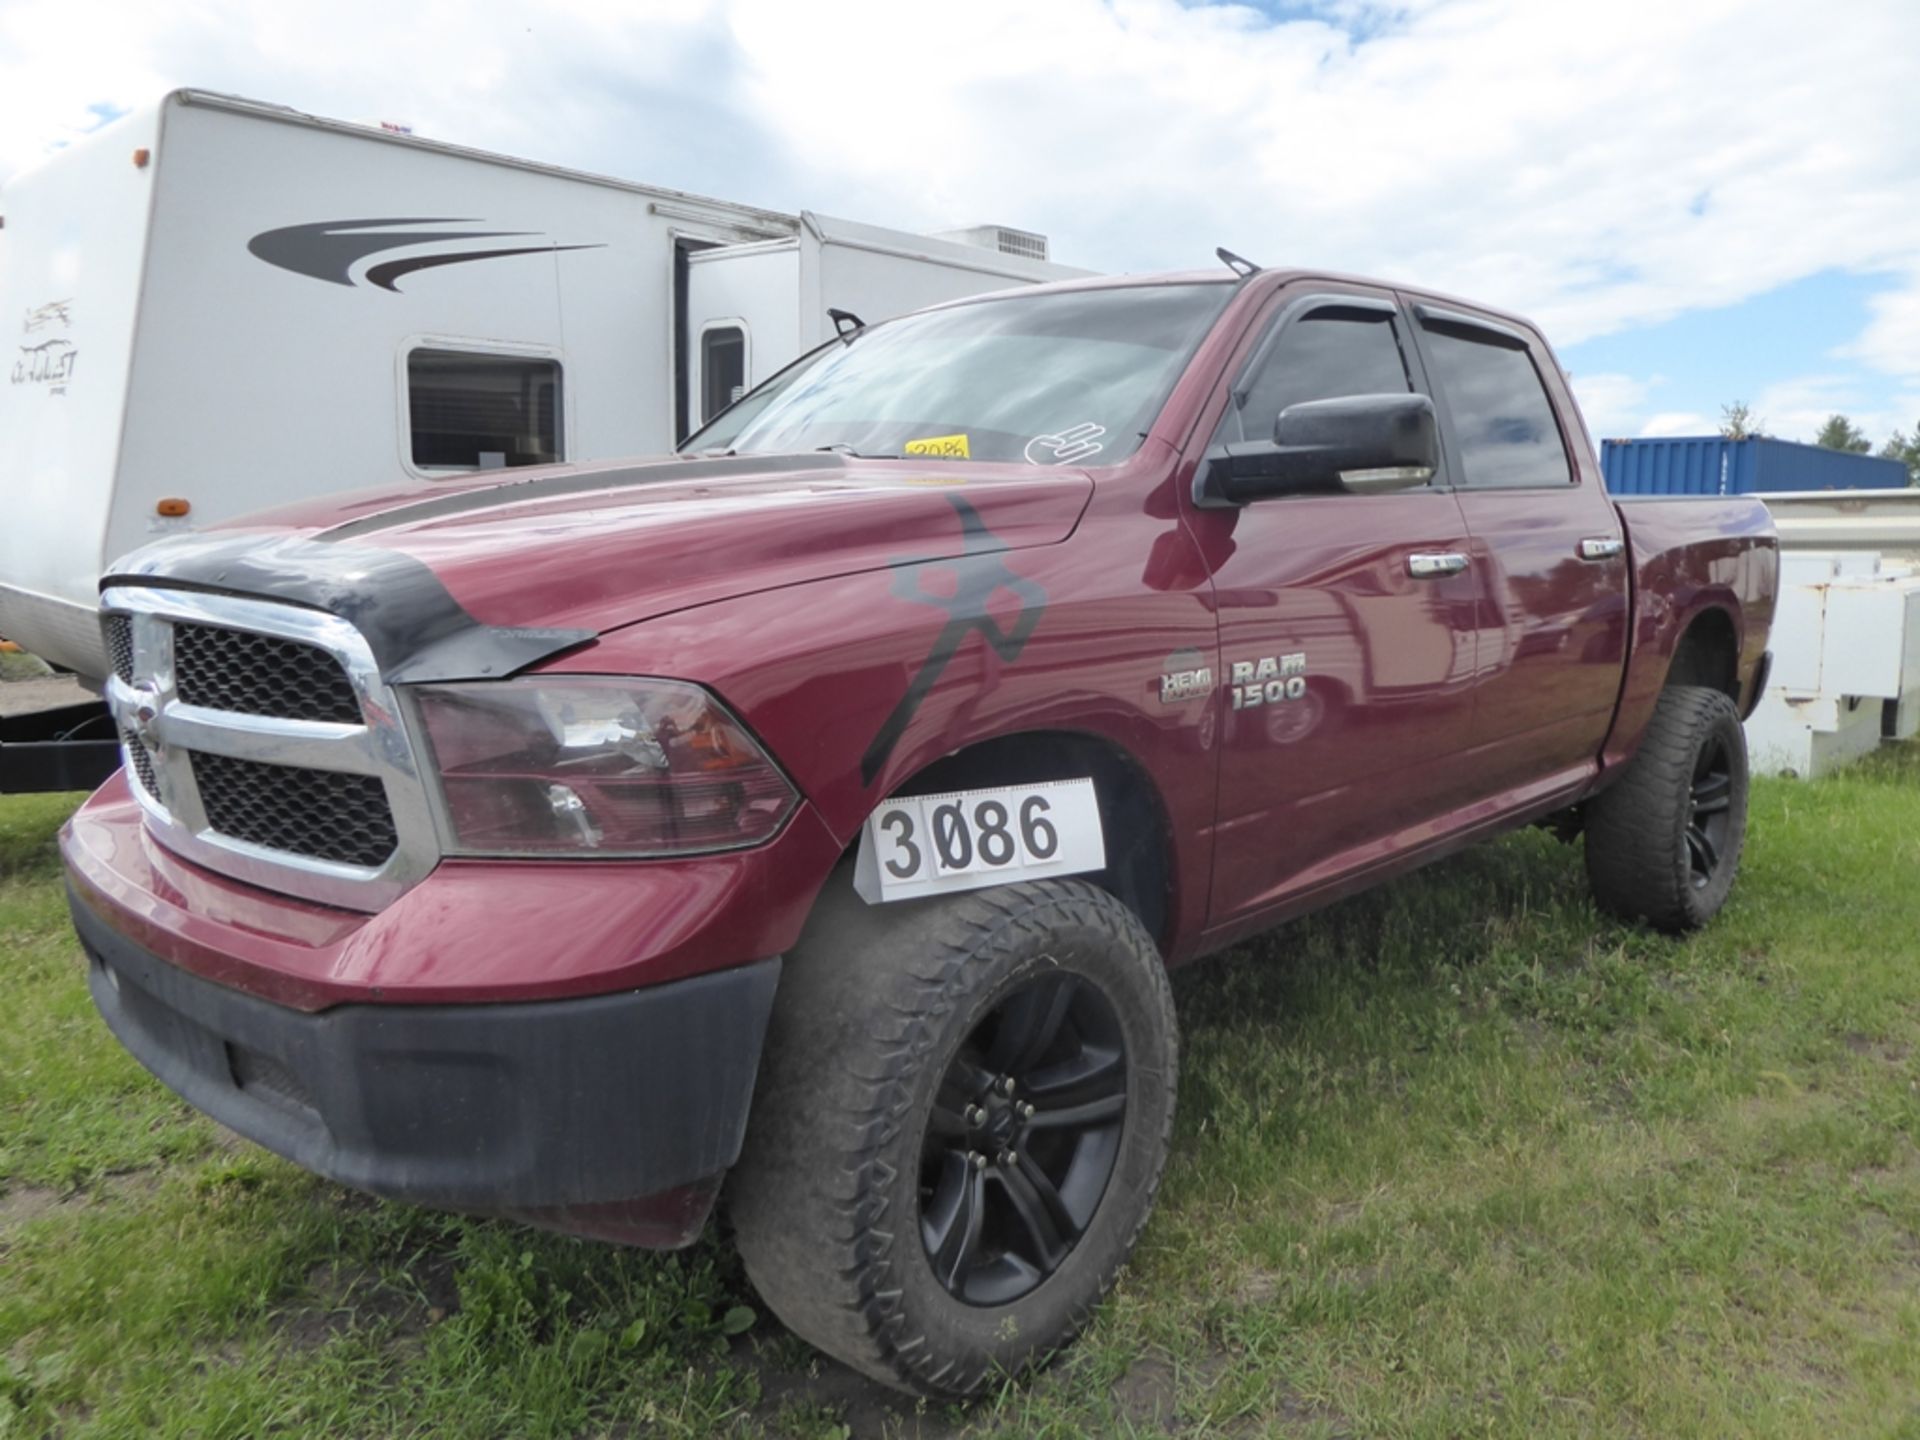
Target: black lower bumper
{"type": "Point", "coordinates": [548, 1110]}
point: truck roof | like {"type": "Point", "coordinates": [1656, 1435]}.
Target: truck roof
{"type": "Point", "coordinates": [1268, 278]}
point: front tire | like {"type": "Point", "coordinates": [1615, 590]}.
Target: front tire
{"type": "Point", "coordinates": [963, 1112]}
{"type": "Point", "coordinates": [1664, 841]}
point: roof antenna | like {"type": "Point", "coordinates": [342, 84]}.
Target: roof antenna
{"type": "Point", "coordinates": [846, 324]}
{"type": "Point", "coordinates": [1239, 264]}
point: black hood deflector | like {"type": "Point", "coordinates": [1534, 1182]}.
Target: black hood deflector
{"type": "Point", "coordinates": [417, 631]}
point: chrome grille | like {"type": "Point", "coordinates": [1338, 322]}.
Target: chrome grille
{"type": "Point", "coordinates": [343, 818]}
{"type": "Point", "coordinates": [254, 674]}
{"type": "Point", "coordinates": [140, 759]}
{"type": "Point", "coordinates": [119, 632]}
{"type": "Point", "coordinates": [265, 745]}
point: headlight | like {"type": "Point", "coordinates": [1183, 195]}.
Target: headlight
{"type": "Point", "coordinates": [596, 765]}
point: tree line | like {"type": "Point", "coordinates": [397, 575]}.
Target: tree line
{"type": "Point", "coordinates": [1738, 422]}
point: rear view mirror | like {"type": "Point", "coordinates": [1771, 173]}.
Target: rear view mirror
{"type": "Point", "coordinates": [1355, 445]}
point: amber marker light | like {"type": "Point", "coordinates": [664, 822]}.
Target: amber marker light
{"type": "Point", "coordinates": [172, 508]}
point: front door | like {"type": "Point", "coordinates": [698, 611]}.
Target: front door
{"type": "Point", "coordinates": [1346, 653]}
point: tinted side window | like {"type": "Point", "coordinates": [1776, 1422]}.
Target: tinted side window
{"type": "Point", "coordinates": [1327, 354]}
{"type": "Point", "coordinates": [1503, 425]}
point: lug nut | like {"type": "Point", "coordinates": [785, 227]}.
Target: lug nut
{"type": "Point", "coordinates": [976, 1116]}
{"type": "Point", "coordinates": [1026, 1110]}
{"type": "Point", "coordinates": [1008, 1159]}
{"type": "Point", "coordinates": [1006, 1084]}
{"type": "Point", "coordinates": [977, 1160]}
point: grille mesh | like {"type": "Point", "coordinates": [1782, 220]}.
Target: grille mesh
{"type": "Point", "coordinates": [119, 632]}
{"type": "Point", "coordinates": [261, 1073]}
{"type": "Point", "coordinates": [142, 761]}
{"type": "Point", "coordinates": [322, 813]}
{"type": "Point", "coordinates": [260, 675]}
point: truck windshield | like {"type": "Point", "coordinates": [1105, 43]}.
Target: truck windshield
{"type": "Point", "coordinates": [1075, 377]}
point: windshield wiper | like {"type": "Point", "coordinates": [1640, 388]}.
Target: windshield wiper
{"type": "Point", "coordinates": [850, 452]}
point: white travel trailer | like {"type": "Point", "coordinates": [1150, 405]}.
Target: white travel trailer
{"type": "Point", "coordinates": [219, 305]}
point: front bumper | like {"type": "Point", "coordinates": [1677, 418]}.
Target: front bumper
{"type": "Point", "coordinates": [612, 1115]}
{"type": "Point", "coordinates": [572, 1044]}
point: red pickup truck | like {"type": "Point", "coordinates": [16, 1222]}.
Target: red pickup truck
{"type": "Point", "coordinates": [821, 809]}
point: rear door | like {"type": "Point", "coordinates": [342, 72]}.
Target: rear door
{"type": "Point", "coordinates": [1549, 563]}
{"type": "Point", "coordinates": [1347, 680]}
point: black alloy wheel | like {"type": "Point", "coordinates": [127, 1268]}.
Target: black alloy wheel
{"type": "Point", "coordinates": [1022, 1138]}
{"type": "Point", "coordinates": [963, 1110]}
{"type": "Point", "coordinates": [1663, 841]}
{"type": "Point", "coordinates": [1710, 804]}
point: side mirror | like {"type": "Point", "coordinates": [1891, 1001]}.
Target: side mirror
{"type": "Point", "coordinates": [1355, 445]}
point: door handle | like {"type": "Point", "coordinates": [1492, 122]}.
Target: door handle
{"type": "Point", "coordinates": [1432, 567]}
{"type": "Point", "coordinates": [1601, 547]}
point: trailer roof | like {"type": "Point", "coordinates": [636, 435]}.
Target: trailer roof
{"type": "Point", "coordinates": [775, 220]}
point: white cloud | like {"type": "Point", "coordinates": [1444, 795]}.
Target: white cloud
{"type": "Point", "coordinates": [1596, 167]}
{"type": "Point", "coordinates": [1679, 422]}
{"type": "Point", "coordinates": [1611, 403]}
{"type": "Point", "coordinates": [1891, 341]}
{"type": "Point", "coordinates": [1795, 409]}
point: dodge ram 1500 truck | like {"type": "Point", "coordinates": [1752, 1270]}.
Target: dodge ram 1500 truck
{"type": "Point", "coordinates": [820, 809]}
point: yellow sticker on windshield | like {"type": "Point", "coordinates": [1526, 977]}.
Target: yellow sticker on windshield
{"type": "Point", "coordinates": [948, 447]}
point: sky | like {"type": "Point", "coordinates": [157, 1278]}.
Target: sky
{"type": "Point", "coordinates": [1700, 200]}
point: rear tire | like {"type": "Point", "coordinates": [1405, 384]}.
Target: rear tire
{"type": "Point", "coordinates": [893, 1204]}
{"type": "Point", "coordinates": [1664, 841]}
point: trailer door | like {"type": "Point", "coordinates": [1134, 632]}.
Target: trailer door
{"type": "Point", "coordinates": [743, 321]}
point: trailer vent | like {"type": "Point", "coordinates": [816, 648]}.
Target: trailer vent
{"type": "Point", "coordinates": [119, 633]}
{"type": "Point", "coordinates": [1004, 238]}
{"type": "Point", "coordinates": [254, 674]}
{"type": "Point", "coordinates": [324, 813]}
{"type": "Point", "coordinates": [1021, 242]}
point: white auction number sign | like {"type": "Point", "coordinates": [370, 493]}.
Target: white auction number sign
{"type": "Point", "coordinates": [932, 844]}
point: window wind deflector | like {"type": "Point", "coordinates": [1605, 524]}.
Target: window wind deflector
{"type": "Point", "coordinates": [1328, 303]}
{"type": "Point", "coordinates": [1435, 317]}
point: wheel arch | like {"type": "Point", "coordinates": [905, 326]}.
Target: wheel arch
{"type": "Point", "coordinates": [1133, 814]}
{"type": "Point", "coordinates": [1708, 654]}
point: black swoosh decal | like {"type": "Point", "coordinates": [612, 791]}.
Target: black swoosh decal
{"type": "Point", "coordinates": [319, 251]}
{"type": "Point", "coordinates": [977, 576]}
{"type": "Point", "coordinates": [385, 273]}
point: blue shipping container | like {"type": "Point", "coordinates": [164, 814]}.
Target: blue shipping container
{"type": "Point", "coordinates": [1713, 465]}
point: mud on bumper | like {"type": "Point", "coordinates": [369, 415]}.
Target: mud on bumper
{"type": "Point", "coordinates": [614, 1116]}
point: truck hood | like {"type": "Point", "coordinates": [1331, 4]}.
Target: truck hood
{"type": "Point", "coordinates": [586, 549]}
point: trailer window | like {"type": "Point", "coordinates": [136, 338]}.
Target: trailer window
{"type": "Point", "coordinates": [483, 412]}
{"type": "Point", "coordinates": [723, 369]}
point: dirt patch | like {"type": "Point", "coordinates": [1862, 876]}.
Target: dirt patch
{"type": "Point", "coordinates": [1145, 1394]}
{"type": "Point", "coordinates": [341, 1297]}
{"type": "Point", "coordinates": [1257, 1288]}
{"type": "Point", "coordinates": [1875, 1229]}
{"type": "Point", "coordinates": [868, 1410]}
{"type": "Point", "coordinates": [23, 1203]}
{"type": "Point", "coordinates": [1295, 1413]}
{"type": "Point", "coordinates": [1893, 1052]}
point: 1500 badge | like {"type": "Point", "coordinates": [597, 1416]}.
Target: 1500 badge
{"type": "Point", "coordinates": [1270, 680]}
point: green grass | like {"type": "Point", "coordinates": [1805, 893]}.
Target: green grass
{"type": "Point", "coordinates": [1455, 1158]}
